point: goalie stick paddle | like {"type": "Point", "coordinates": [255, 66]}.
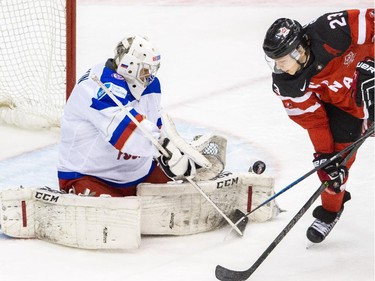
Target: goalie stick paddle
{"type": "Point", "coordinates": [241, 220]}
{"type": "Point", "coordinates": [225, 274]}
{"type": "Point", "coordinates": [333, 158]}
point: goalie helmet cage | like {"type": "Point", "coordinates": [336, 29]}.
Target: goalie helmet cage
{"type": "Point", "coordinates": [38, 60]}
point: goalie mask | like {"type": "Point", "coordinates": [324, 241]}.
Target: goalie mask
{"type": "Point", "coordinates": [138, 61]}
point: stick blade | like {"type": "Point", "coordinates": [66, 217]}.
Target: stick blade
{"type": "Point", "coordinates": [225, 274]}
{"type": "Point", "coordinates": [238, 215]}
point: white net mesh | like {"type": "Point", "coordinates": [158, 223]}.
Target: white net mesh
{"type": "Point", "coordinates": [33, 62]}
{"type": "Point", "coordinates": [214, 149]}
{"type": "Point", "coordinates": [211, 149]}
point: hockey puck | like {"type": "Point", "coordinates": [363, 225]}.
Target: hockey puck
{"type": "Point", "coordinates": [258, 167]}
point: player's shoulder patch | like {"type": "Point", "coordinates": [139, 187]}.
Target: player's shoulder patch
{"type": "Point", "coordinates": [153, 88]}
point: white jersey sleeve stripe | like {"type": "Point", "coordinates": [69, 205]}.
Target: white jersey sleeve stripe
{"type": "Point", "coordinates": [361, 27]}
{"type": "Point", "coordinates": [125, 130]}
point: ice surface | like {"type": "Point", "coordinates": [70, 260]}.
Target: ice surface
{"type": "Point", "coordinates": [214, 80]}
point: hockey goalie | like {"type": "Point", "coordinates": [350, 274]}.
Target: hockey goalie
{"type": "Point", "coordinates": [122, 175]}
{"type": "Point", "coordinates": [172, 208]}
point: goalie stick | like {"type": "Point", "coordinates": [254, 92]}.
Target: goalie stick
{"type": "Point", "coordinates": [225, 274]}
{"type": "Point", "coordinates": [132, 118]}
{"type": "Point", "coordinates": [197, 187]}
{"type": "Point", "coordinates": [164, 152]}
{"type": "Point", "coordinates": [197, 157]}
{"type": "Point", "coordinates": [322, 165]}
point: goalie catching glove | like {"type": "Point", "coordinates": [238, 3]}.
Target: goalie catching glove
{"type": "Point", "coordinates": [334, 173]}
{"type": "Point", "coordinates": [177, 165]}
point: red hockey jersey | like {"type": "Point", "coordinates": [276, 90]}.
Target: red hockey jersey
{"type": "Point", "coordinates": [338, 42]}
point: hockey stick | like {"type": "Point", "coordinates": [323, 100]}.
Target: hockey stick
{"type": "Point", "coordinates": [226, 274]}
{"type": "Point", "coordinates": [330, 160]}
{"type": "Point", "coordinates": [161, 148]}
{"type": "Point", "coordinates": [134, 120]}
{"type": "Point", "coordinates": [197, 187]}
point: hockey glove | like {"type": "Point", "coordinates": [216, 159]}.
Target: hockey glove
{"type": "Point", "coordinates": [364, 85]}
{"type": "Point", "coordinates": [177, 165]}
{"type": "Point", "coordinates": [334, 173]}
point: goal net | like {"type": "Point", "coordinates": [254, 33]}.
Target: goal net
{"type": "Point", "coordinates": [37, 54]}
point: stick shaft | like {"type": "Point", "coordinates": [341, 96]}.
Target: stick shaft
{"type": "Point", "coordinates": [134, 120]}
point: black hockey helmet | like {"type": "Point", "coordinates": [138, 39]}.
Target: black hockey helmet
{"type": "Point", "coordinates": [282, 37]}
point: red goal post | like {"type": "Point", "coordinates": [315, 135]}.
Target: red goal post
{"type": "Point", "coordinates": [37, 61]}
{"type": "Point", "coordinates": [71, 15]}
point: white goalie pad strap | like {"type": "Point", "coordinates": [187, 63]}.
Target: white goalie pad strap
{"type": "Point", "coordinates": [179, 209]}
{"type": "Point", "coordinates": [171, 132]}
{"type": "Point", "coordinates": [71, 220]}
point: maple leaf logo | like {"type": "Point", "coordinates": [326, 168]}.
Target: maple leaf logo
{"type": "Point", "coordinates": [283, 32]}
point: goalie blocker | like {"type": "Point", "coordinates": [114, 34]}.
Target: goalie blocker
{"type": "Point", "coordinates": [117, 223]}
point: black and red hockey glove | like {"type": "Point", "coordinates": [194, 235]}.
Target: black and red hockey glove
{"type": "Point", "coordinates": [334, 173]}
{"type": "Point", "coordinates": [364, 85]}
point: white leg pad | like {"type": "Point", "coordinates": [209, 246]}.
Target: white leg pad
{"type": "Point", "coordinates": [255, 190]}
{"type": "Point", "coordinates": [179, 209]}
{"type": "Point", "coordinates": [17, 212]}
{"type": "Point", "coordinates": [71, 220]}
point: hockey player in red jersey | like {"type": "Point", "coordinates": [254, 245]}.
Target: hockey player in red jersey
{"type": "Point", "coordinates": [324, 75]}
